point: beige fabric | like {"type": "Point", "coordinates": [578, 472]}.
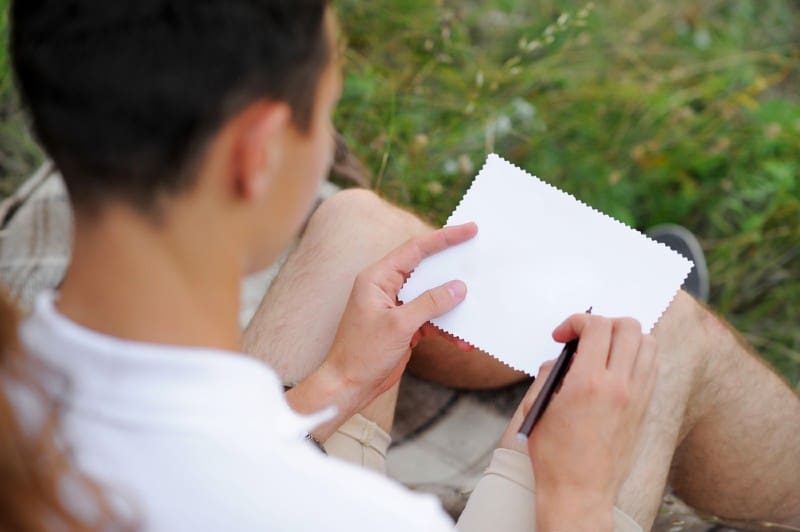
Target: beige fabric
{"type": "Point", "coordinates": [504, 499]}
{"type": "Point", "coordinates": [360, 442]}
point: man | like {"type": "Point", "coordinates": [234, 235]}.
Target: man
{"type": "Point", "coordinates": [192, 136]}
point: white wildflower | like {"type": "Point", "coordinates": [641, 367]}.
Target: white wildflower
{"type": "Point", "coordinates": [702, 39]}
{"type": "Point", "coordinates": [523, 109]}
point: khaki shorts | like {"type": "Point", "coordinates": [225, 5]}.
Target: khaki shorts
{"type": "Point", "coordinates": [502, 500]}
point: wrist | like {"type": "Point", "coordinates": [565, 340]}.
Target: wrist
{"type": "Point", "coordinates": [350, 395]}
{"type": "Point", "coordinates": [574, 511]}
{"type": "Point", "coordinates": [325, 387]}
{"type": "Point", "coordinates": [339, 369]}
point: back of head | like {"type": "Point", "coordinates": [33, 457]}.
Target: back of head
{"type": "Point", "coordinates": [126, 94]}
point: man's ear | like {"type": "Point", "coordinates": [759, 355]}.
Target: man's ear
{"type": "Point", "coordinates": [259, 147]}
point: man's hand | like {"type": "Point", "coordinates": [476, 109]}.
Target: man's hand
{"type": "Point", "coordinates": [374, 340]}
{"type": "Point", "coordinates": [375, 335]}
{"type": "Point", "coordinates": [583, 447]}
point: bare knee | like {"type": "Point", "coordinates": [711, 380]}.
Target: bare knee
{"type": "Point", "coordinates": [350, 199]}
{"type": "Point", "coordinates": [359, 211]}
{"type": "Point", "coordinates": [693, 339]}
{"type": "Point", "coordinates": [685, 335]}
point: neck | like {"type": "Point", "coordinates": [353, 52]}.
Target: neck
{"type": "Point", "coordinates": [136, 280]}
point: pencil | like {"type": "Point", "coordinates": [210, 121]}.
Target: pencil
{"type": "Point", "coordinates": [551, 385]}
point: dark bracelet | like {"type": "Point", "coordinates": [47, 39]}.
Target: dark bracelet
{"type": "Point", "coordinates": [316, 443]}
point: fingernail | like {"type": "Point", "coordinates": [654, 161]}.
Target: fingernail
{"type": "Point", "coordinates": [457, 289]}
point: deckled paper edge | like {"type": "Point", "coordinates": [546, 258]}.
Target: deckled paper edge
{"type": "Point", "coordinates": [611, 218]}
{"type": "Point", "coordinates": [614, 220]}
{"type": "Point", "coordinates": [479, 348]}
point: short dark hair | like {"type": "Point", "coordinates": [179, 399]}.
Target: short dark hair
{"type": "Point", "coordinates": [126, 94]}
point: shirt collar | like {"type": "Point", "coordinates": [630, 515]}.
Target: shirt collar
{"type": "Point", "coordinates": [140, 383]}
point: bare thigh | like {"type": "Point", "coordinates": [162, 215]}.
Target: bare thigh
{"type": "Point", "coordinates": [722, 427]}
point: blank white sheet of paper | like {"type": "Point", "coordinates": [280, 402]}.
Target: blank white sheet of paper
{"type": "Point", "coordinates": [541, 255]}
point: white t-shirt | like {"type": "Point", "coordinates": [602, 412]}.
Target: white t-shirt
{"type": "Point", "coordinates": [202, 439]}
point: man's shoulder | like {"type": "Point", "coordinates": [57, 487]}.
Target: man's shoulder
{"type": "Point", "coordinates": [216, 481]}
{"type": "Point", "coordinates": [194, 440]}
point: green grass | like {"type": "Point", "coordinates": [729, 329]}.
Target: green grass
{"type": "Point", "coordinates": [654, 112]}
{"type": "Point", "coordinates": [651, 111]}
{"type": "Point", "coordinates": [19, 154]}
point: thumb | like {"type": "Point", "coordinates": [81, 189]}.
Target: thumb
{"type": "Point", "coordinates": [434, 302]}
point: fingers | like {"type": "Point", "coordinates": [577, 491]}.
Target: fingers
{"type": "Point", "coordinates": [432, 303]}
{"type": "Point", "coordinates": [595, 340]}
{"type": "Point", "coordinates": [604, 343]}
{"type": "Point", "coordinates": [645, 370]}
{"type": "Point", "coordinates": [616, 345]}
{"type": "Point", "coordinates": [509, 440]}
{"type": "Point", "coordinates": [572, 327]}
{"type": "Point", "coordinates": [408, 256]}
{"type": "Point", "coordinates": [534, 389]}
{"type": "Point", "coordinates": [625, 341]}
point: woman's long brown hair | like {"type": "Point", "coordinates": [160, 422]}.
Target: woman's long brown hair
{"type": "Point", "coordinates": [34, 472]}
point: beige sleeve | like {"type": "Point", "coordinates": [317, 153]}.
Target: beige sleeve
{"type": "Point", "coordinates": [360, 442]}
{"type": "Point", "coordinates": [504, 498]}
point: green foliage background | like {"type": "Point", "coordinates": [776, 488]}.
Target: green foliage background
{"type": "Point", "coordinates": [19, 154]}
{"type": "Point", "coordinates": [660, 111]}
{"type": "Point", "coordinates": [654, 112]}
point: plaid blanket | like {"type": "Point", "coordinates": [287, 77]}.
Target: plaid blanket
{"type": "Point", "coordinates": [35, 236]}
